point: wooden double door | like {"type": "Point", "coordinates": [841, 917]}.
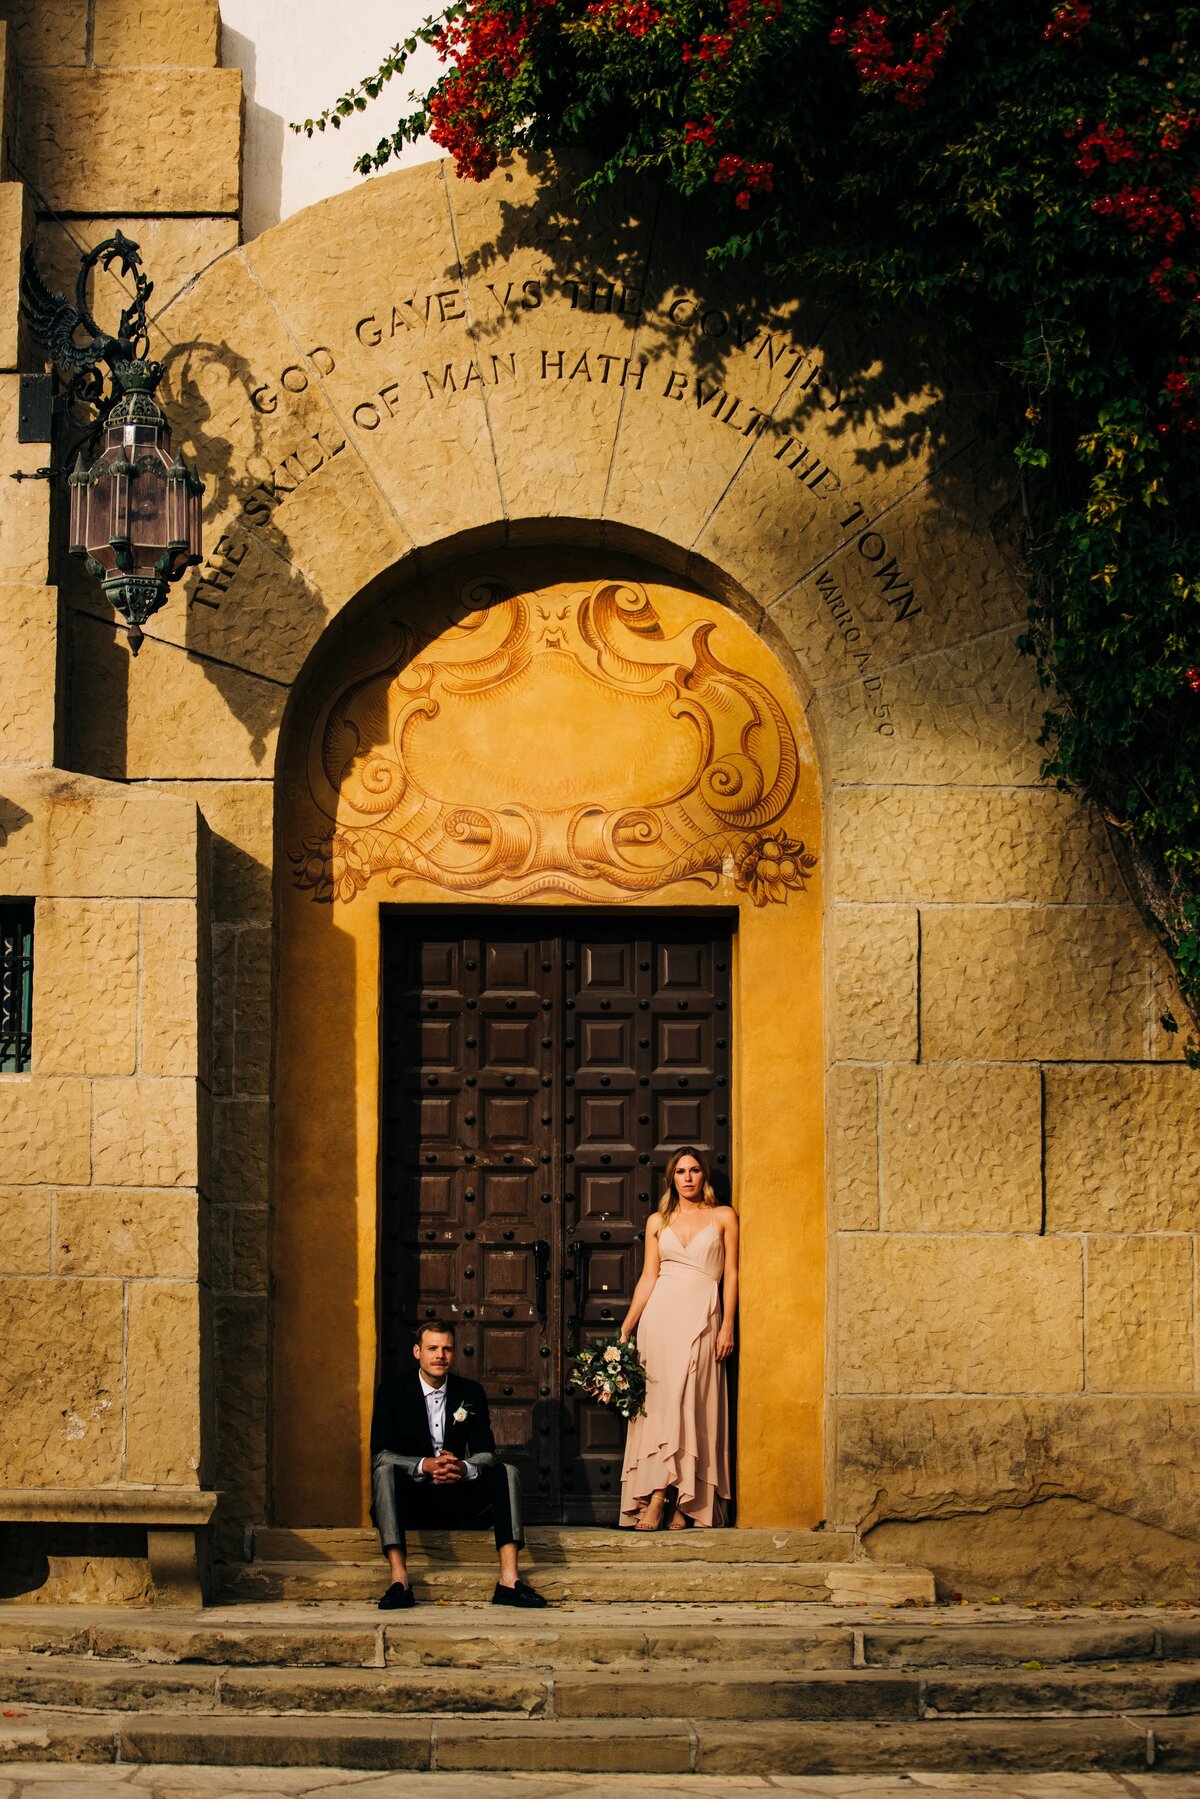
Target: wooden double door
{"type": "Point", "coordinates": [538, 1070]}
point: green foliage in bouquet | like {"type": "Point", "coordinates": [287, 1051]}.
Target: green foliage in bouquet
{"type": "Point", "coordinates": [1022, 176]}
{"type": "Point", "coordinates": [611, 1373]}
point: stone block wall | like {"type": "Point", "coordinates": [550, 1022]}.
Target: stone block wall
{"type": "Point", "coordinates": [1013, 1163]}
{"type": "Point", "coordinates": [105, 1384]}
{"type": "Point", "coordinates": [117, 116]}
{"type": "Point", "coordinates": [102, 1283]}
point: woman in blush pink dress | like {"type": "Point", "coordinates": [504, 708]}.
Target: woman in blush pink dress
{"type": "Point", "coordinates": [683, 1310]}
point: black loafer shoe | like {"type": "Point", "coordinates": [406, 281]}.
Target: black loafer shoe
{"type": "Point", "coordinates": [522, 1594]}
{"type": "Point", "coordinates": [398, 1598]}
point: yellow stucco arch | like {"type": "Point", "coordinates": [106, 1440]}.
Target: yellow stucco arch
{"type": "Point", "coordinates": [528, 728]}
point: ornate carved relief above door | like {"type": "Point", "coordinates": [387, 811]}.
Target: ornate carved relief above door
{"type": "Point", "coordinates": [563, 740]}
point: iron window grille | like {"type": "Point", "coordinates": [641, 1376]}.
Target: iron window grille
{"type": "Point", "coordinates": [16, 986]}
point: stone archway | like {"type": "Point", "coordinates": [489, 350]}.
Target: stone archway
{"type": "Point", "coordinates": [531, 729]}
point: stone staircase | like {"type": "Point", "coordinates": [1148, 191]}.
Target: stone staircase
{"type": "Point", "coordinates": [295, 1667]}
{"type": "Point", "coordinates": [582, 1566]}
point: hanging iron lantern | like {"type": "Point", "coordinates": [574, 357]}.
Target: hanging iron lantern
{"type": "Point", "coordinates": [135, 512]}
{"type": "Point", "coordinates": [135, 517]}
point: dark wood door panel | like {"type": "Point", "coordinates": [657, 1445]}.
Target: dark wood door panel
{"type": "Point", "coordinates": [538, 1070]}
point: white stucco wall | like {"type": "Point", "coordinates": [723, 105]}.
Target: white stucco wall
{"type": "Point", "coordinates": [295, 61]}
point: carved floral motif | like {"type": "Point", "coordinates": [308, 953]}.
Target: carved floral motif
{"type": "Point", "coordinates": [554, 744]}
{"type": "Point", "coordinates": [767, 867]}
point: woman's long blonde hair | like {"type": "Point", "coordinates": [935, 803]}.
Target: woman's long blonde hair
{"type": "Point", "coordinates": [670, 1200]}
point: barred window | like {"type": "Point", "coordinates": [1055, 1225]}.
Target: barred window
{"type": "Point", "coordinates": [16, 985]}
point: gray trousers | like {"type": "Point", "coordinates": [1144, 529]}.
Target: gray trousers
{"type": "Point", "coordinates": [403, 1498]}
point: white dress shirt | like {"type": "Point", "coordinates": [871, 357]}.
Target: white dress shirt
{"type": "Point", "coordinates": [435, 1407]}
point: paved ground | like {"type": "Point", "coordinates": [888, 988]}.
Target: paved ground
{"type": "Point", "coordinates": [33, 1782]}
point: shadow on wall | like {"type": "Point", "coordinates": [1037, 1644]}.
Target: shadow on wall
{"type": "Point", "coordinates": [264, 139]}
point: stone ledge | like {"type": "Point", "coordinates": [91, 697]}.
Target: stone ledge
{"type": "Point", "coordinates": [181, 1506]}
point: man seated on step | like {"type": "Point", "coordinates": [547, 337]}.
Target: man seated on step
{"type": "Point", "coordinates": [434, 1466]}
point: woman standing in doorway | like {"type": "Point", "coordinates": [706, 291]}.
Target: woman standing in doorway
{"type": "Point", "coordinates": [683, 1310]}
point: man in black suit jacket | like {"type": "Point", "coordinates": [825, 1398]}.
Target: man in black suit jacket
{"type": "Point", "coordinates": [434, 1464]}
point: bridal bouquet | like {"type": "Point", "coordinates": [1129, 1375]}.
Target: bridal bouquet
{"type": "Point", "coordinates": [611, 1373]}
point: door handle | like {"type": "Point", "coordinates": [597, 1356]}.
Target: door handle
{"type": "Point", "coordinates": [582, 1253]}
{"type": "Point", "coordinates": [541, 1280]}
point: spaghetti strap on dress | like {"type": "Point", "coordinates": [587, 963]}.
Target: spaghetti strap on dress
{"type": "Point", "coordinates": [681, 1440]}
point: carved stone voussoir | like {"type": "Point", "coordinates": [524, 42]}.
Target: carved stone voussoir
{"type": "Point", "coordinates": [441, 764]}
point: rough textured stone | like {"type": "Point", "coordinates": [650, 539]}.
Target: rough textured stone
{"type": "Point", "coordinates": [144, 1133]}
{"type": "Point", "coordinates": [16, 226]}
{"type": "Point", "coordinates": [75, 144]}
{"type": "Point", "coordinates": [241, 1250]}
{"type": "Point", "coordinates": [1064, 983]}
{"type": "Point", "coordinates": [1055, 1548]}
{"type": "Point", "coordinates": [65, 834]}
{"type": "Point", "coordinates": [930, 1458]}
{"type": "Point", "coordinates": [48, 31]}
{"type": "Point", "coordinates": [174, 252]}
{"type": "Point", "coordinates": [959, 1314]}
{"type": "Point", "coordinates": [582, 402]}
{"type": "Point", "coordinates": [242, 1423]}
{"type": "Point", "coordinates": [162, 1433]}
{"type": "Point", "coordinates": [224, 1007]}
{"type": "Point", "coordinates": [962, 1149]}
{"type": "Point", "coordinates": [83, 1566]}
{"type": "Point", "coordinates": [118, 1231]}
{"type": "Point", "coordinates": [170, 983]}
{"type": "Point", "coordinates": [857, 389]}
{"type": "Point", "coordinates": [240, 816]}
{"type": "Point", "coordinates": [406, 430]}
{"type": "Point", "coordinates": [966, 714]}
{"type": "Point", "coordinates": [295, 525]}
{"type": "Point", "coordinates": [167, 715]}
{"type": "Point", "coordinates": [1139, 1315]}
{"type": "Point", "coordinates": [134, 33]}
{"type": "Point", "coordinates": [874, 952]}
{"type": "Point", "coordinates": [25, 1230]}
{"type": "Point", "coordinates": [252, 1011]}
{"type": "Point", "coordinates": [25, 545]}
{"type": "Point", "coordinates": [241, 1132]}
{"type": "Point", "coordinates": [29, 626]}
{"type": "Point", "coordinates": [85, 987]}
{"type": "Point", "coordinates": [60, 1382]}
{"type": "Point", "coordinates": [852, 1122]}
{"type": "Point", "coordinates": [968, 845]}
{"type": "Point", "coordinates": [877, 600]}
{"type": "Point", "coordinates": [45, 1128]}
{"type": "Point", "coordinates": [1122, 1149]}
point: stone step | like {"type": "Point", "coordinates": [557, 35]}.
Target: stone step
{"type": "Point", "coordinates": [649, 1691]}
{"type": "Point", "coordinates": [674, 1580]}
{"type": "Point", "coordinates": [483, 1637]}
{"type": "Point", "coordinates": [654, 1746]}
{"type": "Point", "coordinates": [562, 1545]}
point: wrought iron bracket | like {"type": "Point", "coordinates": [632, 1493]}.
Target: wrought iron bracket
{"type": "Point", "coordinates": [84, 354]}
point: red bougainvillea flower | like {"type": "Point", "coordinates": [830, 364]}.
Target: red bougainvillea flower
{"type": "Point", "coordinates": [634, 19]}
{"type": "Point", "coordinates": [1068, 22]}
{"type": "Point", "coordinates": [702, 131]}
{"type": "Point", "coordinates": [1108, 144]}
{"type": "Point", "coordinates": [1143, 211]}
{"type": "Point", "coordinates": [873, 54]}
{"type": "Point", "coordinates": [1192, 679]}
{"type": "Point", "coordinates": [487, 43]}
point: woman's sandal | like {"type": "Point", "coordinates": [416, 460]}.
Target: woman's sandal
{"type": "Point", "coordinates": [659, 1522]}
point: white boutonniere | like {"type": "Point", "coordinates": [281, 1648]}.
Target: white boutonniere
{"type": "Point", "coordinates": [462, 1414]}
